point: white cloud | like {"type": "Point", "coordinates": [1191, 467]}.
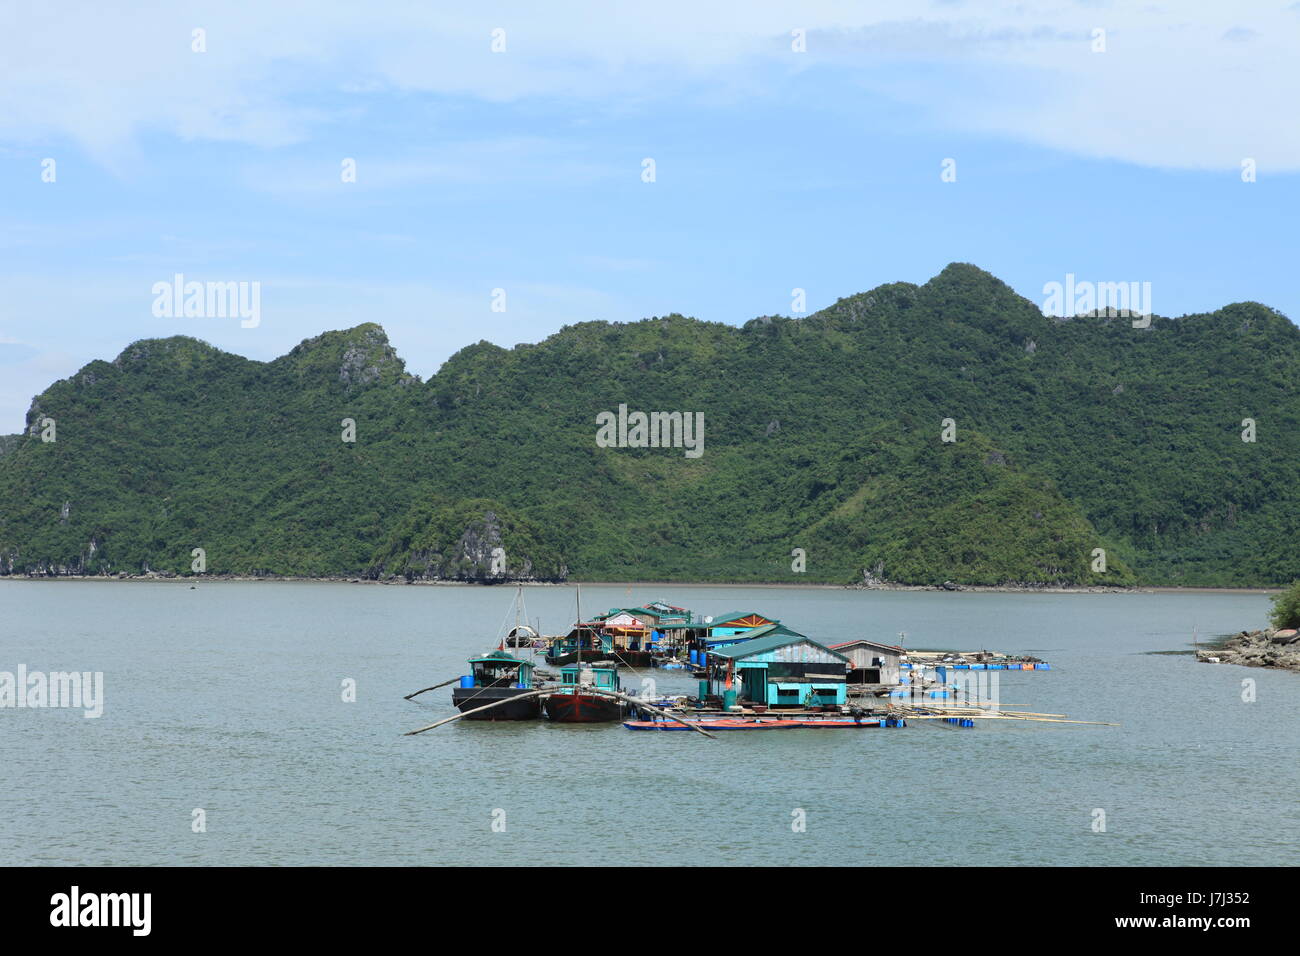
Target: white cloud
{"type": "Point", "coordinates": [1187, 85]}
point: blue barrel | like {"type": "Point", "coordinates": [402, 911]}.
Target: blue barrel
{"type": "Point", "coordinates": [467, 680]}
{"type": "Point", "coordinates": [728, 699]}
{"type": "Point", "coordinates": [704, 689]}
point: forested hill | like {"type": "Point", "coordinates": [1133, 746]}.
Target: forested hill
{"type": "Point", "coordinates": [821, 433]}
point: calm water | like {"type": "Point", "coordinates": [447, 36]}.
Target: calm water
{"type": "Point", "coordinates": [228, 697]}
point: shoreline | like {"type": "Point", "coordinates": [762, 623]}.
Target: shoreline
{"type": "Point", "coordinates": [758, 585]}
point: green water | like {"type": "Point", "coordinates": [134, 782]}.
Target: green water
{"type": "Point", "coordinates": [228, 698]}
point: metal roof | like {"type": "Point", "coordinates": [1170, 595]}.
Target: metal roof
{"type": "Point", "coordinates": [769, 639]}
{"type": "Point", "coordinates": [888, 647]}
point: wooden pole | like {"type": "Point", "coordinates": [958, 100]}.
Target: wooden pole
{"type": "Point", "coordinates": [656, 710]}
{"type": "Point", "coordinates": [1040, 720]}
{"type": "Point", "coordinates": [596, 690]}
{"type": "Point", "coordinates": [434, 687]}
{"type": "Point", "coordinates": [476, 710]}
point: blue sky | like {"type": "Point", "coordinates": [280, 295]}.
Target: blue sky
{"type": "Point", "coordinates": [522, 169]}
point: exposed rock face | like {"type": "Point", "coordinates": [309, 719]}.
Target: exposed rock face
{"type": "Point", "coordinates": [365, 360]}
{"type": "Point", "coordinates": [34, 417]}
{"type": "Point", "coordinates": [1266, 648]}
{"type": "Point", "coordinates": [479, 553]}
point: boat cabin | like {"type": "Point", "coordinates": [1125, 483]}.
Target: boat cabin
{"type": "Point", "coordinates": [587, 636]}
{"type": "Point", "coordinates": [500, 669]}
{"type": "Point", "coordinates": [596, 675]}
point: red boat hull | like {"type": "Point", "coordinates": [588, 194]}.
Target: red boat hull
{"type": "Point", "coordinates": [583, 709]}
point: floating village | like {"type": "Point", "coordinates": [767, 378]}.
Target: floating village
{"type": "Point", "coordinates": [752, 672]}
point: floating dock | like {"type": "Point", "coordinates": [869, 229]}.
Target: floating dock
{"type": "Point", "coordinates": [768, 723]}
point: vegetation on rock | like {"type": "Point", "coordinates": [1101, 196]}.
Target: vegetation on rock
{"type": "Point", "coordinates": [821, 433]}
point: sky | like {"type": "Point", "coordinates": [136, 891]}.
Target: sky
{"type": "Point", "coordinates": [828, 147]}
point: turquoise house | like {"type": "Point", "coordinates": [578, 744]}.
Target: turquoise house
{"type": "Point", "coordinates": [778, 667]}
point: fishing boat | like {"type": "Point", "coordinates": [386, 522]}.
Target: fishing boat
{"type": "Point", "coordinates": [577, 700]}
{"type": "Point", "coordinates": [497, 676]}
{"type": "Point", "coordinates": [582, 639]}
{"type": "Point", "coordinates": [585, 693]}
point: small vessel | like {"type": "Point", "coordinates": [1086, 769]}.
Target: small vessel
{"type": "Point", "coordinates": [721, 723]}
{"type": "Point", "coordinates": [577, 700]}
{"type": "Point", "coordinates": [584, 693]}
{"type": "Point", "coordinates": [766, 723]}
{"type": "Point", "coordinates": [522, 635]}
{"type": "Point", "coordinates": [497, 676]}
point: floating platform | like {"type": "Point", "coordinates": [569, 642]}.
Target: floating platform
{"type": "Point", "coordinates": [767, 723]}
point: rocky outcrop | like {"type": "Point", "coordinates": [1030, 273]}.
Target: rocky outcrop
{"type": "Point", "coordinates": [475, 541]}
{"type": "Point", "coordinates": [1267, 648]}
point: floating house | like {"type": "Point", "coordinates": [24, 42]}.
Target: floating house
{"type": "Point", "coordinates": [777, 667]}
{"type": "Point", "coordinates": [646, 627]}
{"type": "Point", "coordinates": [626, 629]}
{"type": "Point", "coordinates": [871, 662]}
{"type": "Point", "coordinates": [724, 629]}
{"type": "Point", "coordinates": [667, 616]}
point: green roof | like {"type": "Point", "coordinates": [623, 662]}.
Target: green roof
{"type": "Point", "coordinates": [499, 657]}
{"type": "Point", "coordinates": [769, 639]}
{"type": "Point", "coordinates": [644, 611]}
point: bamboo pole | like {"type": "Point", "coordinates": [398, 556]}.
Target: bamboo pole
{"type": "Point", "coordinates": [434, 687]}
{"type": "Point", "coordinates": [1041, 720]}
{"type": "Point", "coordinates": [477, 710]}
{"type": "Point", "coordinates": [596, 690]}
{"type": "Point", "coordinates": [656, 710]}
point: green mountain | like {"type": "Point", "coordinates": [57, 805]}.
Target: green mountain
{"type": "Point", "coordinates": [821, 434]}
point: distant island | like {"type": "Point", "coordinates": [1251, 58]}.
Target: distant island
{"type": "Point", "coordinates": [947, 433]}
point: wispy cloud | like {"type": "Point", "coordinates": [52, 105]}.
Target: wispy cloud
{"type": "Point", "coordinates": [1195, 85]}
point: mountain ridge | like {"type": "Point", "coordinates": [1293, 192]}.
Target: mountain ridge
{"type": "Point", "coordinates": [1119, 438]}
